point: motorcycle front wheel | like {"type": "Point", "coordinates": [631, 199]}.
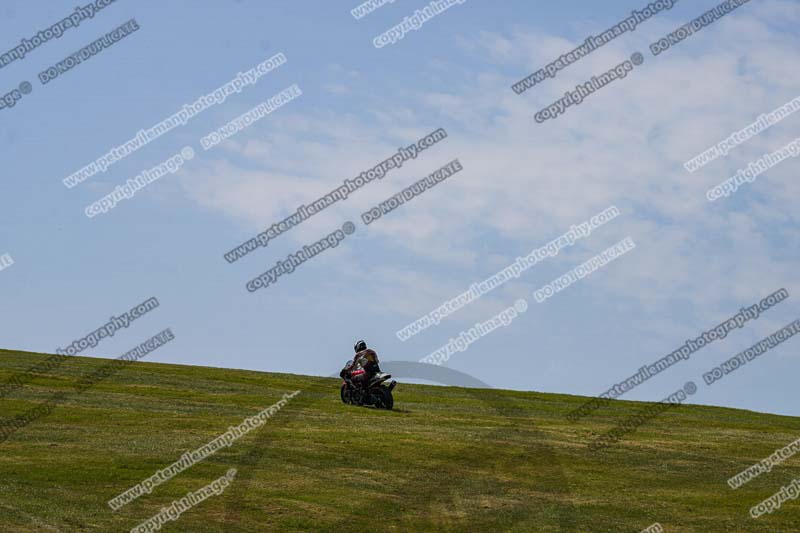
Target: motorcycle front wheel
{"type": "Point", "coordinates": [344, 392]}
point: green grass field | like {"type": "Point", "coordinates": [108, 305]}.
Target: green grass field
{"type": "Point", "coordinates": [446, 459]}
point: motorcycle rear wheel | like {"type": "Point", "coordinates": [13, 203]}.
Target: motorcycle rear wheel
{"type": "Point", "coordinates": [387, 400]}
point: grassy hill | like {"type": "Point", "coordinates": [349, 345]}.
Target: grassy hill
{"type": "Point", "coordinates": [446, 459]}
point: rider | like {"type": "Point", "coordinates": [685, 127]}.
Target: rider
{"type": "Point", "coordinates": [365, 363]}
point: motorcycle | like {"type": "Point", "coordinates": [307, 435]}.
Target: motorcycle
{"type": "Point", "coordinates": [376, 392]}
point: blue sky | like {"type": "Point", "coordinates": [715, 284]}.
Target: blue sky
{"type": "Point", "coordinates": [695, 264]}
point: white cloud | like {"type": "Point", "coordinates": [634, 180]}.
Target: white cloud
{"type": "Point", "coordinates": [524, 183]}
